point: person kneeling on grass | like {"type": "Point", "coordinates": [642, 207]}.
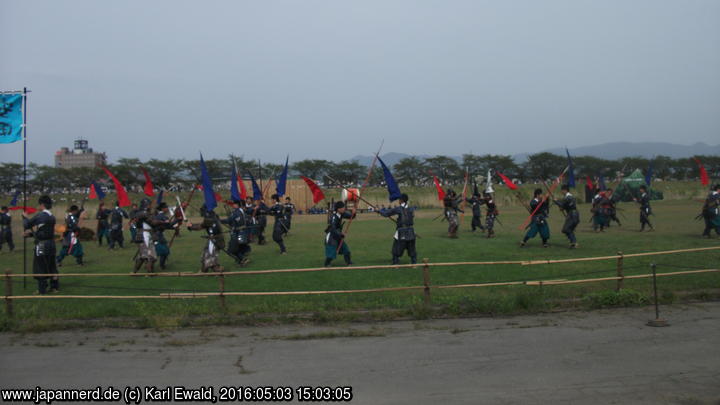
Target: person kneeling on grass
{"type": "Point", "coordinates": [334, 236]}
{"type": "Point", "coordinates": [404, 238]}
{"type": "Point", "coordinates": [539, 209]}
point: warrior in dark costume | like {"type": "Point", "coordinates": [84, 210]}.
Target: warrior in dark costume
{"type": "Point", "coordinates": [711, 212]}
{"type": "Point", "coordinates": [404, 238]}
{"type": "Point", "coordinates": [491, 214]}
{"type": "Point", "coordinates": [612, 207]}
{"type": "Point", "coordinates": [42, 227]}
{"type": "Point", "coordinates": [280, 226]}
{"type": "Point", "coordinates": [572, 217]}
{"type": "Point", "coordinates": [476, 203]}
{"type": "Point", "coordinates": [645, 210]}
{"type": "Point", "coordinates": [161, 223]}
{"type": "Point", "coordinates": [538, 222]}
{"type": "Point", "coordinates": [289, 211]}
{"type": "Point", "coordinates": [239, 245]}
{"type": "Point", "coordinates": [143, 221]}
{"type": "Point", "coordinates": [600, 211]}
{"type": "Point", "coordinates": [334, 236]}
{"type": "Point", "coordinates": [103, 227]}
{"type": "Point", "coordinates": [451, 204]}
{"type": "Point", "coordinates": [71, 237]}
{"type": "Point", "coordinates": [251, 219]}
{"type": "Point", "coordinates": [209, 260]}
{"type": "Point", "coordinates": [132, 224]}
{"type": "Point", "coordinates": [116, 225]}
{"type": "Point", "coordinates": [6, 229]}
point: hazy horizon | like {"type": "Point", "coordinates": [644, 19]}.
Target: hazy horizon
{"type": "Point", "coordinates": [329, 80]}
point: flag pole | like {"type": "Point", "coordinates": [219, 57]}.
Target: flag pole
{"type": "Point", "coordinates": [25, 91]}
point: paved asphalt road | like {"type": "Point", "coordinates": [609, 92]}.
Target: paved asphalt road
{"type": "Point", "coordinates": [576, 357]}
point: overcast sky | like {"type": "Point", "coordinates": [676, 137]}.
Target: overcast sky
{"type": "Point", "coordinates": [330, 79]}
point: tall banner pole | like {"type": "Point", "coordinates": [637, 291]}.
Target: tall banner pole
{"type": "Point", "coordinates": [24, 180]}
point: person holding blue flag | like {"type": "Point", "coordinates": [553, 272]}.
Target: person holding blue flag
{"type": "Point", "coordinates": [239, 245]}
{"type": "Point", "coordinates": [6, 236]}
{"type": "Point", "coordinates": [404, 238]}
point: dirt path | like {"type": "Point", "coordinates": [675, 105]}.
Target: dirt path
{"type": "Point", "coordinates": [579, 357]}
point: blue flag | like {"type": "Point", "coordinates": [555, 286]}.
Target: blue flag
{"type": "Point", "coordinates": [234, 192]}
{"type": "Point", "coordinates": [159, 198]}
{"type": "Point", "coordinates": [98, 191]}
{"type": "Point", "coordinates": [11, 118]}
{"type": "Point", "coordinates": [210, 202]}
{"type": "Point", "coordinates": [571, 170]}
{"type": "Point", "coordinates": [280, 188]}
{"type": "Point", "coordinates": [601, 183]}
{"type": "Point", "coordinates": [13, 202]}
{"type": "Point", "coordinates": [393, 189]}
{"type": "Point", "coordinates": [257, 193]}
{"type": "Point", "coordinates": [648, 175]}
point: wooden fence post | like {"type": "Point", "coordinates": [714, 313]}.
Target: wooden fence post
{"type": "Point", "coordinates": [221, 279]}
{"type": "Point", "coordinates": [8, 293]}
{"type": "Point", "coordinates": [619, 272]}
{"type": "Point", "coordinates": [426, 281]}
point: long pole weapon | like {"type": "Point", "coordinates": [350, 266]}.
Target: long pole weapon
{"type": "Point", "coordinates": [359, 197]}
{"type": "Point", "coordinates": [362, 187]}
{"type": "Point", "coordinates": [464, 195]}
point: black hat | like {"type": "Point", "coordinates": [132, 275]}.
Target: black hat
{"type": "Point", "coordinates": [404, 197]}
{"type": "Point", "coordinates": [339, 205]}
{"type": "Point", "coordinates": [144, 203]}
{"type": "Point", "coordinates": [538, 191]}
{"type": "Point", "coordinates": [275, 197]}
{"type": "Point", "coordinates": [716, 187]}
{"type": "Point", "coordinates": [565, 187]}
{"type": "Point", "coordinates": [162, 206]}
{"type": "Point", "coordinates": [236, 201]}
{"type": "Point", "coordinates": [73, 208]}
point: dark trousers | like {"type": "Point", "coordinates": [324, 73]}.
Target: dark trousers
{"type": "Point", "coordinates": [44, 263]}
{"type": "Point", "coordinates": [644, 220]}
{"type": "Point", "coordinates": [476, 223]}
{"type": "Point", "coordinates": [399, 246]}
{"type": "Point", "coordinates": [571, 222]}
{"type": "Point", "coordinates": [6, 237]}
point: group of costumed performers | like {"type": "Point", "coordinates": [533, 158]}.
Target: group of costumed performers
{"type": "Point", "coordinates": [245, 221]}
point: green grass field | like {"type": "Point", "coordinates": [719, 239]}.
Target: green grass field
{"type": "Point", "coordinates": [370, 240]}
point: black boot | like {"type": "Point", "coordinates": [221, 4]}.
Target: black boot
{"type": "Point", "coordinates": [348, 261]}
{"type": "Point", "coordinates": [328, 261]}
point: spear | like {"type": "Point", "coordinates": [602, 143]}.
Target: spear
{"type": "Point", "coordinates": [555, 184]}
{"type": "Point", "coordinates": [364, 184]}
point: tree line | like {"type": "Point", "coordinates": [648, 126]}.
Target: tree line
{"type": "Point", "coordinates": [410, 171]}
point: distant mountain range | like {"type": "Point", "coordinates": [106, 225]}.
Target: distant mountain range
{"type": "Point", "coordinates": [613, 150]}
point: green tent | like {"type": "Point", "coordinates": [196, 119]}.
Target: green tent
{"type": "Point", "coordinates": [629, 188]}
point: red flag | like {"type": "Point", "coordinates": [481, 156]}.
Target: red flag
{"type": "Point", "coordinates": [93, 194]}
{"type": "Point", "coordinates": [243, 190]}
{"type": "Point", "coordinates": [508, 182]}
{"type": "Point", "coordinates": [589, 182]}
{"type": "Point", "coordinates": [440, 191]}
{"type": "Point", "coordinates": [123, 199]}
{"type": "Point", "coordinates": [148, 189]}
{"type": "Point", "coordinates": [317, 193]}
{"type": "Point", "coordinates": [28, 210]}
{"type": "Point", "coordinates": [704, 179]}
